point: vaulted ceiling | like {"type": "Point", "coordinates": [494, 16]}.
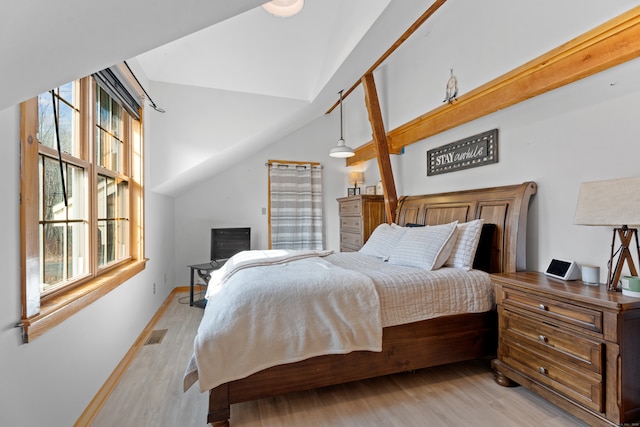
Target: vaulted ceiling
{"type": "Point", "coordinates": [249, 77]}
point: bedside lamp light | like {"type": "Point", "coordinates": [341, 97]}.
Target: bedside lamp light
{"type": "Point", "coordinates": [614, 203]}
{"type": "Point", "coordinates": [356, 178]}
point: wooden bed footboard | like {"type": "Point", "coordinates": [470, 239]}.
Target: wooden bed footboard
{"type": "Point", "coordinates": [416, 345]}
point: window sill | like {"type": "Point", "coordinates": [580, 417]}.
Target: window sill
{"type": "Point", "coordinates": [62, 306]}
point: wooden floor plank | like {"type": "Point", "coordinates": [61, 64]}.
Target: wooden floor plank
{"type": "Point", "coordinates": [150, 394]}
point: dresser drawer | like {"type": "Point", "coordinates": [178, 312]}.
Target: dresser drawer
{"type": "Point", "coordinates": [580, 385]}
{"type": "Point", "coordinates": [350, 207]}
{"type": "Point", "coordinates": [571, 315]}
{"type": "Point", "coordinates": [350, 223]}
{"type": "Point", "coordinates": [351, 239]}
{"type": "Point", "coordinates": [560, 345]}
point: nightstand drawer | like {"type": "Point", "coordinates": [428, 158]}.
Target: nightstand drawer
{"type": "Point", "coordinates": [562, 346]}
{"type": "Point", "coordinates": [350, 223]}
{"type": "Point", "coordinates": [580, 385]}
{"type": "Point", "coordinates": [569, 314]}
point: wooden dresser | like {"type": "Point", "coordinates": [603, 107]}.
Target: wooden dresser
{"type": "Point", "coordinates": [577, 346]}
{"type": "Point", "coordinates": [359, 216]}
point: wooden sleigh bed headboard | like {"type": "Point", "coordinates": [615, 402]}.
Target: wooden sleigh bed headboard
{"type": "Point", "coordinates": [506, 207]}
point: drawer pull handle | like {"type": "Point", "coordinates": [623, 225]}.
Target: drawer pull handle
{"type": "Point", "coordinates": [542, 307]}
{"type": "Point", "coordinates": [543, 338]}
{"type": "Point", "coordinates": [542, 370]}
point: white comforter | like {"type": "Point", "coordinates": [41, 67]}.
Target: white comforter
{"type": "Point", "coordinates": [255, 319]}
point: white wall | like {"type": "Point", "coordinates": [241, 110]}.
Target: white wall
{"type": "Point", "coordinates": [52, 380]}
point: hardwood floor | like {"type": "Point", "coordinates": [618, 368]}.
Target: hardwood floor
{"type": "Point", "coordinates": [150, 394]}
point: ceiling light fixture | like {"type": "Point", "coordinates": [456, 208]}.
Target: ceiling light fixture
{"type": "Point", "coordinates": [341, 150]}
{"type": "Point", "coordinates": [283, 8]}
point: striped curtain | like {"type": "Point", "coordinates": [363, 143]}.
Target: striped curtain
{"type": "Point", "coordinates": [296, 205]}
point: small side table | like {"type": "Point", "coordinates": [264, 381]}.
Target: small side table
{"type": "Point", "coordinates": [204, 272]}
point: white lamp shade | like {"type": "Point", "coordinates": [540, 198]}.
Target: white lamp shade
{"type": "Point", "coordinates": [356, 177]}
{"type": "Point", "coordinates": [613, 202]}
{"type": "Point", "coordinates": [341, 150]}
{"type": "Point", "coordinates": [283, 8]}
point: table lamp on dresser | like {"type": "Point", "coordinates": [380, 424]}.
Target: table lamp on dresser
{"type": "Point", "coordinates": [614, 203]}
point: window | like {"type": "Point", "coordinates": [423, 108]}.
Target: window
{"type": "Point", "coordinates": [81, 199]}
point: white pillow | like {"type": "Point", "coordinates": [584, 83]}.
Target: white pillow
{"type": "Point", "coordinates": [382, 241]}
{"type": "Point", "coordinates": [425, 247]}
{"type": "Point", "coordinates": [466, 244]}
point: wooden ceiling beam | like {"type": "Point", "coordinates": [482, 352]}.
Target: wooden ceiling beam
{"type": "Point", "coordinates": [610, 44]}
{"type": "Point", "coordinates": [381, 146]}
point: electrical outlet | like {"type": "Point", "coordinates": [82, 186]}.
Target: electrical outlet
{"type": "Point", "coordinates": [264, 211]}
{"type": "Point", "coordinates": [154, 288]}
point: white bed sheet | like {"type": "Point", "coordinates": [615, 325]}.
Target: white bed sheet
{"type": "Point", "coordinates": [409, 294]}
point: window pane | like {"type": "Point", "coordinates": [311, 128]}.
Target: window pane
{"type": "Point", "coordinates": [123, 223]}
{"type": "Point", "coordinates": [46, 129]}
{"type": "Point", "coordinates": [113, 219]}
{"type": "Point", "coordinates": [109, 132]}
{"type": "Point", "coordinates": [52, 196]}
{"type": "Point", "coordinates": [102, 243]}
{"type": "Point", "coordinates": [53, 255]}
{"type": "Point", "coordinates": [105, 110]}
{"type": "Point", "coordinates": [116, 120]}
{"type": "Point", "coordinates": [123, 199]}
{"type": "Point", "coordinates": [68, 93]}
{"type": "Point", "coordinates": [68, 120]}
{"type": "Point", "coordinates": [66, 128]}
{"type": "Point", "coordinates": [76, 244]}
{"type": "Point", "coordinates": [111, 241]}
{"type": "Point", "coordinates": [102, 197]}
{"type": "Point", "coordinates": [76, 193]}
{"type": "Point", "coordinates": [123, 238]}
{"type": "Point", "coordinates": [111, 198]}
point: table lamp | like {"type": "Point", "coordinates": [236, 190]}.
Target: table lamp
{"type": "Point", "coordinates": [356, 178]}
{"type": "Point", "coordinates": [614, 203]}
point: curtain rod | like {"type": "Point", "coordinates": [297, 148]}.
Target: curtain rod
{"type": "Point", "coordinates": [297, 164]}
{"type": "Point", "coordinates": [152, 104]}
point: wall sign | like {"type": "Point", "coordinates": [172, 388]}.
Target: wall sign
{"type": "Point", "coordinates": [477, 150]}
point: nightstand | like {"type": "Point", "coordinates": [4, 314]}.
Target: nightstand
{"type": "Point", "coordinates": [204, 272]}
{"type": "Point", "coordinates": [577, 346]}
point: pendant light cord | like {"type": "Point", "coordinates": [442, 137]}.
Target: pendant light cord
{"type": "Point", "coordinates": [152, 104]}
{"type": "Point", "coordinates": [341, 115]}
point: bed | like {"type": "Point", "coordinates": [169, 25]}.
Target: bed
{"type": "Point", "coordinates": [400, 346]}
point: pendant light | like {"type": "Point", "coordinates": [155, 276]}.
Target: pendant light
{"type": "Point", "coordinates": [341, 150]}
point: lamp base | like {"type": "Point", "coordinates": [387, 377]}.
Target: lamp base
{"type": "Point", "coordinates": [613, 276]}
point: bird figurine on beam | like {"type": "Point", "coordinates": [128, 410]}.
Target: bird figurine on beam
{"type": "Point", "coordinates": [452, 88]}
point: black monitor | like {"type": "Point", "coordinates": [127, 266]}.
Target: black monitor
{"type": "Point", "coordinates": [226, 242]}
